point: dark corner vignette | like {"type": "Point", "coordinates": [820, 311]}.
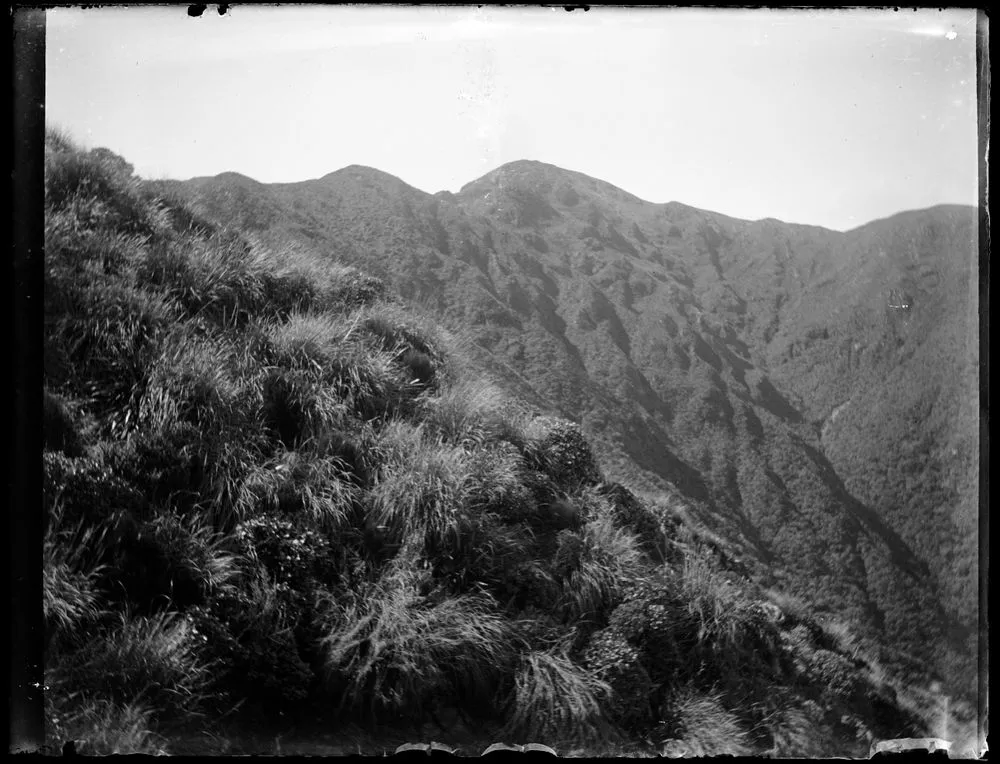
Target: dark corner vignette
{"type": "Point", "coordinates": [25, 299]}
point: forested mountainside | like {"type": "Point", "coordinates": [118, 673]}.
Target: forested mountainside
{"type": "Point", "coordinates": [811, 395]}
{"type": "Point", "coordinates": [276, 494]}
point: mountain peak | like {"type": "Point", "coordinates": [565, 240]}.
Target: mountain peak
{"type": "Point", "coordinates": [368, 177]}
{"type": "Point", "coordinates": [361, 172]}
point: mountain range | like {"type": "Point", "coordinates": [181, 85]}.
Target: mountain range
{"type": "Point", "coordinates": [810, 395]}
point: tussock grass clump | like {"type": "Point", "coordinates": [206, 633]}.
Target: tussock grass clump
{"type": "Point", "coordinates": [422, 490]}
{"type": "Point", "coordinates": [317, 487]}
{"type": "Point", "coordinates": [791, 607]}
{"type": "Point", "coordinates": [724, 611]}
{"type": "Point", "coordinates": [313, 341]}
{"type": "Point", "coordinates": [172, 560]}
{"type": "Point", "coordinates": [497, 483]}
{"type": "Point", "coordinates": [794, 732]}
{"type": "Point", "coordinates": [100, 727]}
{"type": "Point", "coordinates": [401, 646]}
{"type": "Point", "coordinates": [102, 339]}
{"type": "Point", "coordinates": [555, 700]}
{"type": "Point", "coordinates": [298, 407]}
{"type": "Point", "coordinates": [194, 381]}
{"type": "Point", "coordinates": [596, 566]}
{"type": "Point", "coordinates": [633, 513]}
{"type": "Point", "coordinates": [398, 328]}
{"type": "Point", "coordinates": [474, 412]}
{"type": "Point", "coordinates": [328, 350]}
{"type": "Point", "coordinates": [100, 185]}
{"type": "Point", "coordinates": [300, 281]}
{"type": "Point", "coordinates": [146, 659]}
{"type": "Point", "coordinates": [217, 277]}
{"type": "Point", "coordinates": [71, 573]}
{"type": "Point", "coordinates": [72, 251]}
{"type": "Point", "coordinates": [700, 725]}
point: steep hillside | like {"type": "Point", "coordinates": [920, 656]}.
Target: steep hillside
{"type": "Point", "coordinates": [764, 372]}
{"type": "Point", "coordinates": [276, 495]}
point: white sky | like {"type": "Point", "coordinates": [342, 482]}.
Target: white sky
{"type": "Point", "coordinates": [831, 118]}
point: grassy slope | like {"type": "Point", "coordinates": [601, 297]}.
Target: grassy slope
{"type": "Point", "coordinates": [271, 488]}
{"type": "Point", "coordinates": [704, 357]}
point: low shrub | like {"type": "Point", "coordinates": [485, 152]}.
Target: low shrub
{"type": "Point", "coordinates": [250, 636]}
{"type": "Point", "coordinates": [292, 555]}
{"type": "Point", "coordinates": [653, 617]}
{"type": "Point", "coordinates": [557, 447]}
{"type": "Point", "coordinates": [88, 489]}
{"type": "Point", "coordinates": [612, 659]}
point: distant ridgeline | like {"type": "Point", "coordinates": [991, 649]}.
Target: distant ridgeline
{"type": "Point", "coordinates": [272, 484]}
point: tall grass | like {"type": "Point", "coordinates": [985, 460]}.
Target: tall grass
{"type": "Point", "coordinates": [702, 726]}
{"type": "Point", "coordinates": [724, 611]}
{"type": "Point", "coordinates": [122, 680]}
{"type": "Point", "coordinates": [144, 659]}
{"type": "Point", "coordinates": [99, 727]}
{"type": "Point", "coordinates": [396, 647]}
{"type": "Point", "coordinates": [302, 483]}
{"type": "Point", "coordinates": [474, 412]}
{"type": "Point", "coordinates": [422, 490]}
{"type": "Point", "coordinates": [497, 483]}
{"type": "Point", "coordinates": [197, 561]}
{"type": "Point", "coordinates": [301, 281]}
{"type": "Point", "coordinates": [101, 187]}
{"type": "Point", "coordinates": [217, 277]}
{"type": "Point", "coordinates": [597, 565]}
{"type": "Point", "coordinates": [102, 337]}
{"type": "Point", "coordinates": [330, 350]}
{"type": "Point", "coordinates": [554, 700]}
{"type": "Point", "coordinates": [71, 572]}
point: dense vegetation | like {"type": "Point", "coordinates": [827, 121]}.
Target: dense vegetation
{"type": "Point", "coordinates": [809, 395]}
{"type": "Point", "coordinates": [271, 488]}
